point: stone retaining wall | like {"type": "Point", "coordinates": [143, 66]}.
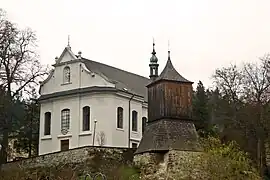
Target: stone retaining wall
{"type": "Point", "coordinates": [73, 156]}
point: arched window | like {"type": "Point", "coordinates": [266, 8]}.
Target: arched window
{"type": "Point", "coordinates": [134, 121]}
{"type": "Point", "coordinates": [66, 74]}
{"type": "Point", "coordinates": [120, 117]}
{"type": "Point", "coordinates": [47, 123]}
{"type": "Point", "coordinates": [65, 119]}
{"type": "Point", "coordinates": [144, 122]}
{"type": "Point", "coordinates": [86, 118]}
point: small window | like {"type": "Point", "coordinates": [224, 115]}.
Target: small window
{"type": "Point", "coordinates": [47, 123]}
{"type": "Point", "coordinates": [66, 74]}
{"type": "Point", "coordinates": [65, 119]}
{"type": "Point", "coordinates": [86, 118]}
{"type": "Point", "coordinates": [144, 123]}
{"type": "Point", "coordinates": [64, 145]}
{"type": "Point", "coordinates": [134, 121]}
{"type": "Point", "coordinates": [134, 145]}
{"type": "Point", "coordinates": [120, 117]}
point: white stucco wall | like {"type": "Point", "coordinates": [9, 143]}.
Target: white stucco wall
{"type": "Point", "coordinates": [103, 108]}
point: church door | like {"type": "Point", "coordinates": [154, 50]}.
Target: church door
{"type": "Point", "coordinates": [64, 145]}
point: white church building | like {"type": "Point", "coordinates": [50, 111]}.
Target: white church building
{"type": "Point", "coordinates": [86, 103]}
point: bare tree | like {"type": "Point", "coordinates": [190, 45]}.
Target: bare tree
{"type": "Point", "coordinates": [246, 90]}
{"type": "Point", "coordinates": [229, 81]}
{"type": "Point", "coordinates": [256, 87]}
{"type": "Point", "coordinates": [266, 63]}
{"type": "Point", "coordinates": [20, 69]}
{"type": "Point", "coordinates": [101, 138]}
{"type": "Point", "coordinates": [256, 84]}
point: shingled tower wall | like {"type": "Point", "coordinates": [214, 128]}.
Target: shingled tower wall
{"type": "Point", "coordinates": [170, 125]}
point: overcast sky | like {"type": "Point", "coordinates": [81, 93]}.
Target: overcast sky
{"type": "Point", "coordinates": [204, 34]}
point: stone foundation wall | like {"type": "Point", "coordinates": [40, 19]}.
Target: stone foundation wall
{"type": "Point", "coordinates": [186, 165]}
{"type": "Point", "coordinates": [74, 156]}
{"type": "Point", "coordinates": [171, 165]}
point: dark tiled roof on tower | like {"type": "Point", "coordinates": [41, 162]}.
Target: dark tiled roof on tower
{"type": "Point", "coordinates": [169, 73]}
{"type": "Point", "coordinates": [169, 114]}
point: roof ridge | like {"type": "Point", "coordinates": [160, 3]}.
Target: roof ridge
{"type": "Point", "coordinates": [115, 68]}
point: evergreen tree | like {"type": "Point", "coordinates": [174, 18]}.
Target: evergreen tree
{"type": "Point", "coordinates": [200, 109]}
{"type": "Point", "coordinates": [28, 136]}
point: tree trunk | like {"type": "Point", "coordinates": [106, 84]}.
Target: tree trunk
{"type": "Point", "coordinates": [259, 154]}
{"type": "Point", "coordinates": [5, 145]}
{"type": "Point", "coordinates": [7, 126]}
{"type": "Point", "coordinates": [7, 119]}
{"type": "Point", "coordinates": [261, 140]}
{"type": "Point", "coordinates": [30, 133]}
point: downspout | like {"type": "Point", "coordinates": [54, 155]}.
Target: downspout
{"type": "Point", "coordinates": [129, 119]}
{"type": "Point", "coordinates": [80, 71]}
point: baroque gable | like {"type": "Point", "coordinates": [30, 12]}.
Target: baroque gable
{"type": "Point", "coordinates": [70, 73]}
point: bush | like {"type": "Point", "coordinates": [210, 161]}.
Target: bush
{"type": "Point", "coordinates": [227, 161]}
{"type": "Point", "coordinates": [68, 172]}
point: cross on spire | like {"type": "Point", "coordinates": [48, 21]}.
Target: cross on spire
{"type": "Point", "coordinates": [68, 41]}
{"type": "Point", "coordinates": [154, 52]}
{"type": "Point", "coordinates": [169, 52]}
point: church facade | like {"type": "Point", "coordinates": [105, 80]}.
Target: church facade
{"type": "Point", "coordinates": [87, 103]}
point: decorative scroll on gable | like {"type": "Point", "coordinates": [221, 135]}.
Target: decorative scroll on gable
{"type": "Point", "coordinates": [90, 78]}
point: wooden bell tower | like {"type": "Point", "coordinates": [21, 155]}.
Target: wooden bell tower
{"type": "Point", "coordinates": [170, 95]}
{"type": "Point", "coordinates": [170, 123]}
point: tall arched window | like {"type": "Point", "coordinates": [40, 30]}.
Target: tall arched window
{"type": "Point", "coordinates": [86, 118]}
{"type": "Point", "coordinates": [134, 121]}
{"type": "Point", "coordinates": [66, 74]}
{"type": "Point", "coordinates": [144, 122]}
{"type": "Point", "coordinates": [120, 117]}
{"type": "Point", "coordinates": [47, 123]}
{"type": "Point", "coordinates": [65, 119]}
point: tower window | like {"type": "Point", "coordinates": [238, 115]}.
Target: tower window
{"type": "Point", "coordinates": [86, 118]}
{"type": "Point", "coordinates": [134, 121]}
{"type": "Point", "coordinates": [47, 123]}
{"type": "Point", "coordinates": [65, 119]}
{"type": "Point", "coordinates": [120, 117]}
{"type": "Point", "coordinates": [66, 74]}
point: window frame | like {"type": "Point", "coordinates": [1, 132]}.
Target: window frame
{"type": "Point", "coordinates": [66, 70]}
{"type": "Point", "coordinates": [65, 113]}
{"type": "Point", "coordinates": [134, 120]}
{"type": "Point", "coordinates": [144, 123]}
{"type": "Point", "coordinates": [47, 123]}
{"type": "Point", "coordinates": [86, 119]}
{"type": "Point", "coordinates": [120, 118]}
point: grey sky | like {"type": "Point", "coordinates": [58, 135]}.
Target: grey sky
{"type": "Point", "coordinates": [203, 34]}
